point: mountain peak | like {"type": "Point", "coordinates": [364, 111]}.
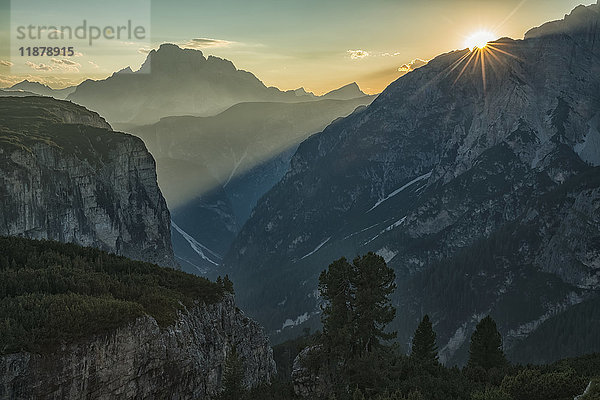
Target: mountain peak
{"type": "Point", "coordinates": [29, 84]}
{"type": "Point", "coordinates": [581, 20]}
{"type": "Point", "coordinates": [302, 92]}
{"type": "Point", "coordinates": [346, 92]}
{"type": "Point", "coordinates": [168, 55]}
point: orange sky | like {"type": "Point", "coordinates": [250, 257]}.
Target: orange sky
{"type": "Point", "coordinates": [320, 45]}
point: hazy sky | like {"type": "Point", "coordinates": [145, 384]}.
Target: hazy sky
{"type": "Point", "coordinates": [317, 44]}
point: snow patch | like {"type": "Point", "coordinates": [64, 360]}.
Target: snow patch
{"type": "Point", "coordinates": [359, 232]}
{"type": "Point", "coordinates": [198, 247]}
{"type": "Point", "coordinates": [201, 270]}
{"type": "Point", "coordinates": [316, 248]}
{"type": "Point", "coordinates": [525, 329]}
{"type": "Point", "coordinates": [459, 337]}
{"type": "Point", "coordinates": [389, 228]}
{"type": "Point", "coordinates": [299, 320]}
{"type": "Point", "coordinates": [398, 191]}
{"type": "Point", "coordinates": [589, 149]}
{"type": "Point", "coordinates": [454, 343]}
{"type": "Point", "coordinates": [387, 254]}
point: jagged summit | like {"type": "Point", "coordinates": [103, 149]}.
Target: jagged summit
{"type": "Point", "coordinates": [302, 92]}
{"type": "Point", "coordinates": [583, 19]}
{"type": "Point", "coordinates": [41, 89]}
{"type": "Point", "coordinates": [349, 91]}
{"type": "Point", "coordinates": [175, 81]}
{"type": "Point", "coordinates": [172, 81]}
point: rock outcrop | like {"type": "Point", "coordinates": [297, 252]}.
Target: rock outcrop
{"type": "Point", "coordinates": [141, 360]}
{"type": "Point", "coordinates": [307, 384]}
{"type": "Point", "coordinates": [66, 175]}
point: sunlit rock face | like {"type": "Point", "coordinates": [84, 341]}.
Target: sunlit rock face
{"type": "Point", "coordinates": [66, 175]}
{"type": "Point", "coordinates": [141, 360]}
{"type": "Point", "coordinates": [474, 149]}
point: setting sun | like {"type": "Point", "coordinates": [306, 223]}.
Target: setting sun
{"type": "Point", "coordinates": [479, 40]}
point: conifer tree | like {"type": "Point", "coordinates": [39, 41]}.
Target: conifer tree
{"type": "Point", "coordinates": [486, 346]}
{"type": "Point", "coordinates": [228, 285]}
{"type": "Point", "coordinates": [356, 312]}
{"type": "Point", "coordinates": [424, 349]}
{"type": "Point", "coordinates": [233, 377]}
{"type": "Point", "coordinates": [336, 289]}
{"type": "Point", "coordinates": [374, 282]}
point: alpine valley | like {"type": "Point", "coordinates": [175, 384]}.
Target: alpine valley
{"type": "Point", "coordinates": [161, 228]}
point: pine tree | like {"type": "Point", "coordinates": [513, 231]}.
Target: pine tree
{"type": "Point", "coordinates": [233, 377]}
{"type": "Point", "coordinates": [356, 312]}
{"type": "Point", "coordinates": [228, 285]}
{"type": "Point", "coordinates": [374, 282]}
{"type": "Point", "coordinates": [336, 289]}
{"type": "Point", "coordinates": [424, 349]}
{"type": "Point", "coordinates": [486, 346]}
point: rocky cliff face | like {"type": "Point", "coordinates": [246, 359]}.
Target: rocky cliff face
{"type": "Point", "coordinates": [139, 361]}
{"type": "Point", "coordinates": [65, 175]}
{"type": "Point", "coordinates": [444, 158]}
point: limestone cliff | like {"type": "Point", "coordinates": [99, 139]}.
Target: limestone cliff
{"type": "Point", "coordinates": [66, 175]}
{"type": "Point", "coordinates": [143, 361]}
{"type": "Point", "coordinates": [498, 145]}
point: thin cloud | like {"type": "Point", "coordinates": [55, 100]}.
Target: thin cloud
{"type": "Point", "coordinates": [39, 67]}
{"type": "Point", "coordinates": [358, 54]}
{"type": "Point", "coordinates": [206, 43]}
{"type": "Point", "coordinates": [6, 63]}
{"type": "Point", "coordinates": [411, 66]}
{"type": "Point", "coordinates": [57, 65]}
{"type": "Point", "coordinates": [65, 62]}
{"type": "Point", "coordinates": [93, 64]}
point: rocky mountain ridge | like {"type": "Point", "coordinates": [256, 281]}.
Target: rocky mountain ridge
{"type": "Point", "coordinates": [179, 82]}
{"type": "Point", "coordinates": [444, 158]}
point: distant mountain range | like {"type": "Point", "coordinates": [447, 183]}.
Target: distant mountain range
{"type": "Point", "coordinates": [479, 186]}
{"type": "Point", "coordinates": [37, 88]}
{"type": "Point", "coordinates": [174, 82]}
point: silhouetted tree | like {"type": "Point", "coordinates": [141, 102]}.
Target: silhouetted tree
{"type": "Point", "coordinates": [337, 344]}
{"type": "Point", "coordinates": [356, 312]}
{"type": "Point", "coordinates": [486, 346]}
{"type": "Point", "coordinates": [374, 282]}
{"type": "Point", "coordinates": [424, 348]}
{"type": "Point", "coordinates": [228, 285]}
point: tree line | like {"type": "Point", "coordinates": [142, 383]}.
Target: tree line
{"type": "Point", "coordinates": [354, 357]}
